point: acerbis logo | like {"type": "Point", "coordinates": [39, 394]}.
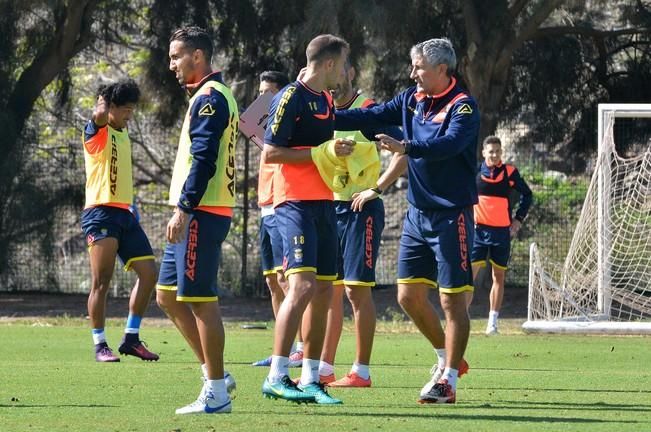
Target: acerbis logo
{"type": "Point", "coordinates": [368, 249]}
{"type": "Point", "coordinates": [463, 245]}
{"type": "Point", "coordinates": [113, 172]}
{"type": "Point", "coordinates": [191, 254]}
{"type": "Point", "coordinates": [280, 110]}
{"type": "Point", "coordinates": [230, 168]}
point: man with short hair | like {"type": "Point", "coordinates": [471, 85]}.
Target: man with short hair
{"type": "Point", "coordinates": [272, 81]}
{"type": "Point", "coordinates": [301, 117]}
{"type": "Point", "coordinates": [494, 224]}
{"type": "Point", "coordinates": [440, 123]}
{"type": "Point", "coordinates": [202, 192]}
{"type": "Point", "coordinates": [357, 231]}
{"type": "Point", "coordinates": [271, 243]}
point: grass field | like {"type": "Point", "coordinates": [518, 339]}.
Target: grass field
{"type": "Point", "coordinates": [49, 382]}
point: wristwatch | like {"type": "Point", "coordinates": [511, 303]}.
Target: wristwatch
{"type": "Point", "coordinates": [407, 145]}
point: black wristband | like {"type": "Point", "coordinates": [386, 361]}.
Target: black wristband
{"type": "Point", "coordinates": [377, 190]}
{"type": "Point", "coordinates": [407, 146]}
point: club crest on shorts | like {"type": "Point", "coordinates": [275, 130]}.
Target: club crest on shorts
{"type": "Point", "coordinates": [298, 255]}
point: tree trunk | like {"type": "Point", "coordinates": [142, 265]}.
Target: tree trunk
{"type": "Point", "coordinates": [73, 33]}
{"type": "Point", "coordinates": [487, 78]}
{"type": "Point", "coordinates": [486, 64]}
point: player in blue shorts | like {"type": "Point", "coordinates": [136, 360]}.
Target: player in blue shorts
{"type": "Point", "coordinates": [271, 243]}
{"type": "Point", "coordinates": [494, 225]}
{"type": "Point", "coordinates": [202, 192]}
{"type": "Point", "coordinates": [440, 123]}
{"type": "Point", "coordinates": [301, 117]}
{"type": "Point", "coordinates": [110, 227]}
{"type": "Point", "coordinates": [359, 231]}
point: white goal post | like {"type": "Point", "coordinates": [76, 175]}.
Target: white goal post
{"type": "Point", "coordinates": [604, 284]}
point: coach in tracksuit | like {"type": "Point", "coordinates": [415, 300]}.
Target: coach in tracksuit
{"type": "Point", "coordinates": [440, 124]}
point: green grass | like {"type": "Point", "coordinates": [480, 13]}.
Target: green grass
{"type": "Point", "coordinates": [48, 382]}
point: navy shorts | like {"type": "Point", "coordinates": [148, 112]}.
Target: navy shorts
{"type": "Point", "coordinates": [435, 249]}
{"type": "Point", "coordinates": [196, 259]}
{"type": "Point", "coordinates": [309, 233]}
{"type": "Point", "coordinates": [105, 221]}
{"type": "Point", "coordinates": [359, 242]}
{"type": "Point", "coordinates": [493, 243]}
{"type": "Point", "coordinates": [271, 245]}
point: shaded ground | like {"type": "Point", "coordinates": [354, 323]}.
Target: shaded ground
{"type": "Point", "coordinates": [18, 304]}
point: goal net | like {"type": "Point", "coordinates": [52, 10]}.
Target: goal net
{"type": "Point", "coordinates": [604, 285]}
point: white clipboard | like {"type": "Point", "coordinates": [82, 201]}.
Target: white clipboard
{"type": "Point", "coordinates": [253, 121]}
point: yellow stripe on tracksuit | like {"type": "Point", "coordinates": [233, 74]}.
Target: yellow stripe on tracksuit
{"type": "Point", "coordinates": [482, 264]}
{"type": "Point", "coordinates": [445, 290]}
{"type": "Point", "coordinates": [196, 299]}
{"type": "Point", "coordinates": [129, 263]}
{"type": "Point", "coordinates": [353, 283]}
{"type": "Point", "coordinates": [274, 270]}
{"type": "Point", "coordinates": [418, 281]}
{"type": "Point", "coordinates": [457, 290]}
{"type": "Point", "coordinates": [310, 269]}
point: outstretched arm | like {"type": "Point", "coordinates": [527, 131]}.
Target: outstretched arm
{"type": "Point", "coordinates": [461, 132]}
{"type": "Point", "coordinates": [276, 154]}
{"type": "Point", "coordinates": [372, 118]}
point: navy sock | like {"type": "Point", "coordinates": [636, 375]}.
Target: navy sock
{"type": "Point", "coordinates": [131, 338]}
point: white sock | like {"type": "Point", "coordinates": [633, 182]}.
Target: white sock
{"type": "Point", "coordinates": [451, 375]}
{"type": "Point", "coordinates": [279, 368]}
{"type": "Point", "coordinates": [440, 353]}
{"type": "Point", "coordinates": [362, 370]}
{"type": "Point", "coordinates": [326, 368]}
{"type": "Point", "coordinates": [204, 371]}
{"type": "Point", "coordinates": [218, 388]}
{"type": "Point", "coordinates": [98, 336]}
{"type": "Point", "coordinates": [492, 318]}
{"type": "Point", "coordinates": [299, 346]}
{"type": "Point", "coordinates": [310, 371]}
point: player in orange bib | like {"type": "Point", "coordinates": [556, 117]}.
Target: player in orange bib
{"type": "Point", "coordinates": [494, 224]}
{"type": "Point", "coordinates": [271, 242]}
{"type": "Point", "coordinates": [110, 228]}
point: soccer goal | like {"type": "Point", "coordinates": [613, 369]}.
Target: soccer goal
{"type": "Point", "coordinates": [604, 285]}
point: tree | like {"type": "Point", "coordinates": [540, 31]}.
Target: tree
{"type": "Point", "coordinates": [251, 36]}
{"type": "Point", "coordinates": [39, 40]}
{"type": "Point", "coordinates": [581, 51]}
{"type": "Point", "coordinates": [495, 31]}
{"type": "Point", "coordinates": [563, 72]}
